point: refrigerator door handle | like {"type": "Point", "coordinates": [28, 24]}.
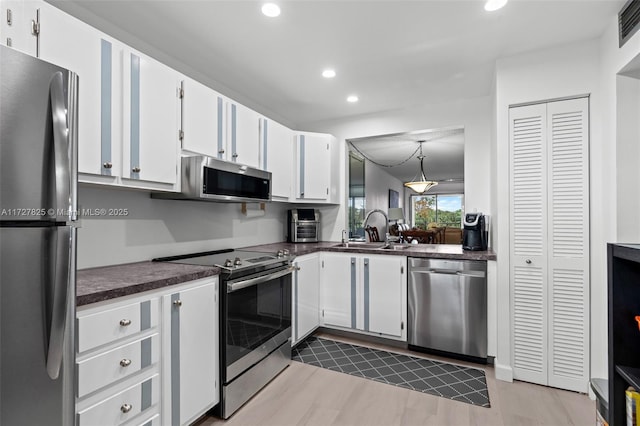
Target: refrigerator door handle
{"type": "Point", "coordinates": [58, 308]}
{"type": "Point", "coordinates": [60, 147]}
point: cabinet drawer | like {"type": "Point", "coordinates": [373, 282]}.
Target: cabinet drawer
{"type": "Point", "coordinates": [109, 325]}
{"type": "Point", "coordinates": [152, 421]}
{"type": "Point", "coordinates": [105, 368]}
{"type": "Point", "coordinates": [123, 406]}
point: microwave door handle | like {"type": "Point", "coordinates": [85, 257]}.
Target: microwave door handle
{"type": "Point", "coordinates": [255, 281]}
{"type": "Point", "coordinates": [60, 146]}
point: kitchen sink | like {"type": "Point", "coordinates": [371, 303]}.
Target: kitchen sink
{"type": "Point", "coordinates": [374, 246]}
{"type": "Point", "coordinates": [392, 246]}
{"type": "Point", "coordinates": [362, 245]}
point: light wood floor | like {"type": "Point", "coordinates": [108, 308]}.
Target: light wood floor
{"type": "Point", "coordinates": [307, 395]}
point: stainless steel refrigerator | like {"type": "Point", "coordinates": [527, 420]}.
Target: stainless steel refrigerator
{"type": "Point", "coordinates": [38, 187]}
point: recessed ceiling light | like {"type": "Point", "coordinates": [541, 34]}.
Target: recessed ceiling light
{"type": "Point", "coordinates": [352, 98]}
{"type": "Point", "coordinates": [271, 10]}
{"type": "Point", "coordinates": [328, 73]}
{"type": "Point", "coordinates": [492, 5]}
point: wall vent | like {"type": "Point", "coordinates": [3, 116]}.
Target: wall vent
{"type": "Point", "coordinates": [628, 21]}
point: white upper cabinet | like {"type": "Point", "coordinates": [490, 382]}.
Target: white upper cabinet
{"type": "Point", "coordinates": [18, 20]}
{"type": "Point", "coordinates": [128, 106]}
{"type": "Point", "coordinates": [243, 135]}
{"type": "Point", "coordinates": [96, 59]}
{"type": "Point", "coordinates": [276, 147]}
{"type": "Point", "coordinates": [150, 120]}
{"type": "Point", "coordinates": [202, 120]}
{"type": "Point", "coordinates": [313, 160]}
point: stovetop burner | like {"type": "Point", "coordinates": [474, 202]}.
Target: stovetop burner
{"type": "Point", "coordinates": [232, 261]}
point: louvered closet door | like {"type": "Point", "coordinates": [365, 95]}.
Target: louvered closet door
{"type": "Point", "coordinates": [568, 159]}
{"type": "Point", "coordinates": [528, 242]}
{"type": "Point", "coordinates": [550, 243]}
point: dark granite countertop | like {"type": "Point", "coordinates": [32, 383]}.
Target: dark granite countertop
{"type": "Point", "coordinates": [108, 282]}
{"type": "Point", "coordinates": [436, 251]}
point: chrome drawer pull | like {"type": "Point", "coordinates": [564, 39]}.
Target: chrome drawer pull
{"type": "Point", "coordinates": [178, 303]}
{"type": "Point", "coordinates": [125, 322]}
{"type": "Point", "coordinates": [125, 362]}
{"type": "Point", "coordinates": [126, 408]}
{"type": "Point", "coordinates": [107, 165]}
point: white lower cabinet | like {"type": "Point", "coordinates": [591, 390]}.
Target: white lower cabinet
{"type": "Point", "coordinates": [149, 359]}
{"type": "Point", "coordinates": [124, 405]}
{"type": "Point", "coordinates": [338, 290]}
{"type": "Point", "coordinates": [118, 361]}
{"type": "Point", "coordinates": [191, 349]}
{"type": "Point", "coordinates": [365, 293]}
{"type": "Point", "coordinates": [305, 316]}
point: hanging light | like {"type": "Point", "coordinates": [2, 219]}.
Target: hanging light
{"type": "Point", "coordinates": [420, 184]}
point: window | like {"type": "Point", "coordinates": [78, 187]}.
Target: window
{"type": "Point", "coordinates": [356, 196]}
{"type": "Point", "coordinates": [443, 209]}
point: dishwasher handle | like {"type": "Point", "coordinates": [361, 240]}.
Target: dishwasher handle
{"type": "Point", "coordinates": [479, 274]}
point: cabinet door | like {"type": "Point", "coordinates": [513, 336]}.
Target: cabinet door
{"type": "Point", "coordinates": [277, 156]}
{"type": "Point", "coordinates": [339, 288]}
{"type": "Point", "coordinates": [150, 106]}
{"type": "Point", "coordinates": [550, 243]}
{"type": "Point", "coordinates": [243, 134]}
{"type": "Point", "coordinates": [528, 246]}
{"type": "Point", "coordinates": [16, 25]}
{"type": "Point", "coordinates": [202, 120]}
{"type": "Point", "coordinates": [385, 294]}
{"type": "Point", "coordinates": [71, 44]}
{"type": "Point", "coordinates": [306, 302]}
{"type": "Point", "coordinates": [568, 238]}
{"type": "Point", "coordinates": [312, 161]}
{"type": "Point", "coordinates": [194, 352]}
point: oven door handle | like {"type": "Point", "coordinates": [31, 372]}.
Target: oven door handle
{"type": "Point", "coordinates": [255, 281]}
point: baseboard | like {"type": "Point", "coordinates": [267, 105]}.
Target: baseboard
{"type": "Point", "coordinates": [503, 372]}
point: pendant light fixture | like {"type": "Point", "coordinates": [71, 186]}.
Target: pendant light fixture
{"type": "Point", "coordinates": [420, 184]}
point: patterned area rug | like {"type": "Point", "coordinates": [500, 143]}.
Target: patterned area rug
{"type": "Point", "coordinates": [436, 378]}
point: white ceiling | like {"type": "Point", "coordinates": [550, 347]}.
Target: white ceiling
{"type": "Point", "coordinates": [397, 154]}
{"type": "Point", "coordinates": [392, 54]}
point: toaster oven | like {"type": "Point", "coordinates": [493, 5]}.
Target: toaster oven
{"type": "Point", "coordinates": [303, 226]}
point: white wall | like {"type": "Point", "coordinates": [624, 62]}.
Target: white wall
{"type": "Point", "coordinates": [569, 70]}
{"type": "Point", "coordinates": [618, 172]}
{"type": "Point", "coordinates": [156, 228]}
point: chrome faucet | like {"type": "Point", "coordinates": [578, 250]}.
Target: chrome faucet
{"type": "Point", "coordinates": [386, 221]}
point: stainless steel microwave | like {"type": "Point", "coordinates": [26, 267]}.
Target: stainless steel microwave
{"type": "Point", "coordinates": [209, 179]}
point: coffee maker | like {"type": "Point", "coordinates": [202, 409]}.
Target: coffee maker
{"type": "Point", "coordinates": [474, 234]}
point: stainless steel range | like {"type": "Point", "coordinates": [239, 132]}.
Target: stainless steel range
{"type": "Point", "coordinates": [255, 320]}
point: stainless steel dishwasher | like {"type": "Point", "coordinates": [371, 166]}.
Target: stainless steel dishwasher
{"type": "Point", "coordinates": [448, 307]}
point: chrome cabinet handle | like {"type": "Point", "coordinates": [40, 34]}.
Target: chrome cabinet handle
{"type": "Point", "coordinates": [125, 362]}
{"type": "Point", "coordinates": [125, 322]}
{"type": "Point", "coordinates": [528, 261]}
{"type": "Point", "coordinates": [107, 165]}
{"type": "Point", "coordinates": [235, 155]}
{"type": "Point", "coordinates": [177, 303]}
{"type": "Point", "coordinates": [136, 169]}
{"type": "Point", "coordinates": [125, 408]}
{"type": "Point", "coordinates": [221, 151]}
